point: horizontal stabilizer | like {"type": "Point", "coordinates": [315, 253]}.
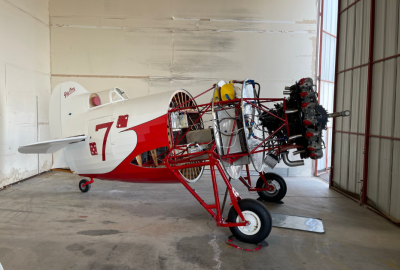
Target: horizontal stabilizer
{"type": "Point", "coordinates": [49, 147]}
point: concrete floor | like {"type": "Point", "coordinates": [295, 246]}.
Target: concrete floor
{"type": "Point", "coordinates": [47, 223]}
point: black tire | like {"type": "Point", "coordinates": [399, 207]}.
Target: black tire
{"type": "Point", "coordinates": [252, 207]}
{"type": "Point", "coordinates": [272, 196]}
{"type": "Point", "coordinates": [85, 188]}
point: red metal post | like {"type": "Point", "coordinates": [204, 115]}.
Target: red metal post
{"type": "Point", "coordinates": [334, 94]}
{"type": "Point", "coordinates": [368, 108]}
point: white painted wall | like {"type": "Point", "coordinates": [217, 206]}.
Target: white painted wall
{"type": "Point", "coordinates": [24, 74]}
{"type": "Point", "coordinates": [147, 47]}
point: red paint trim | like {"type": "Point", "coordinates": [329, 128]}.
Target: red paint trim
{"type": "Point", "coordinates": [101, 126]}
{"type": "Point", "coordinates": [122, 121]}
{"type": "Point", "coordinates": [334, 95]}
{"type": "Point", "coordinates": [368, 108]}
{"type": "Point", "coordinates": [150, 135]}
{"type": "Point", "coordinates": [349, 6]}
{"type": "Point", "coordinates": [332, 35]}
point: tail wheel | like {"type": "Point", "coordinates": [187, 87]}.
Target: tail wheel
{"type": "Point", "coordinates": [278, 187]}
{"type": "Point", "coordinates": [259, 218]}
{"type": "Point", "coordinates": [86, 188]}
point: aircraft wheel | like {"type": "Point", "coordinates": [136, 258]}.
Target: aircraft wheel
{"type": "Point", "coordinates": [85, 188]}
{"type": "Point", "coordinates": [277, 182]}
{"type": "Point", "coordinates": [260, 221]}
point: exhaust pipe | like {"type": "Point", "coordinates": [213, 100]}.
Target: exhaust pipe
{"type": "Point", "coordinates": [290, 163]}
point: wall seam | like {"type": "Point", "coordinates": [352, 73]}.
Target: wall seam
{"type": "Point", "coordinates": [31, 15]}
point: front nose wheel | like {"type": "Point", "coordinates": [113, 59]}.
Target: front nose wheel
{"type": "Point", "coordinates": [259, 221]}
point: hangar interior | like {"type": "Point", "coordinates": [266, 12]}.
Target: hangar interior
{"type": "Point", "coordinates": [349, 48]}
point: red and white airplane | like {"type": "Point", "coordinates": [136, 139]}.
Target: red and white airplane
{"type": "Point", "coordinates": [163, 139]}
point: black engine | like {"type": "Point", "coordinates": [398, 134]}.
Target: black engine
{"type": "Point", "coordinates": [306, 119]}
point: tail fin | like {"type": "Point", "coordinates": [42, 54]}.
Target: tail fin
{"type": "Point", "coordinates": [68, 102]}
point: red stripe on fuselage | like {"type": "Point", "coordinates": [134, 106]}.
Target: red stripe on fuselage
{"type": "Point", "coordinates": [150, 135]}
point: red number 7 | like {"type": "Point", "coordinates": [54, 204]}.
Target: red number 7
{"type": "Point", "coordinates": [108, 126]}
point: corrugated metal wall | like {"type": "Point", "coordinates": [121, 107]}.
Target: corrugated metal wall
{"type": "Point", "coordinates": [369, 68]}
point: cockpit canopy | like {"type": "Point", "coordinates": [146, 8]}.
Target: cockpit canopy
{"type": "Point", "coordinates": [106, 97]}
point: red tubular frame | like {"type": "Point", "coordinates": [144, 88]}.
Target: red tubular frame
{"type": "Point", "coordinates": [175, 161]}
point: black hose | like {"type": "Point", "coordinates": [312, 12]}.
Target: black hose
{"type": "Point", "coordinates": [259, 89]}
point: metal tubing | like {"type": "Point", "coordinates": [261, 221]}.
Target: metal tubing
{"type": "Point", "coordinates": [348, 69]}
{"type": "Point", "coordinates": [368, 108]}
{"type": "Point", "coordinates": [195, 97]}
{"type": "Point", "coordinates": [248, 174]}
{"type": "Point", "coordinates": [191, 190]}
{"type": "Point", "coordinates": [386, 58]}
{"type": "Point", "coordinates": [216, 193]}
{"type": "Point", "coordinates": [233, 129]}
{"type": "Point", "coordinates": [194, 123]}
{"type": "Point", "coordinates": [223, 204]}
{"type": "Point", "coordinates": [231, 194]}
{"type": "Point", "coordinates": [334, 93]}
{"type": "Point", "coordinates": [327, 81]}
{"type": "Point", "coordinates": [89, 182]}
{"type": "Point", "coordinates": [244, 182]}
{"type": "Point", "coordinates": [384, 137]}
{"type": "Point", "coordinates": [252, 152]}
{"type": "Point", "coordinates": [286, 118]}
{"type": "Point", "coordinates": [348, 132]}
{"type": "Point", "coordinates": [295, 136]}
{"type": "Point", "coordinates": [339, 114]}
{"type": "Point", "coordinates": [326, 32]}
{"type": "Point", "coordinates": [290, 163]}
{"type": "Point", "coordinates": [254, 105]}
{"type": "Point", "coordinates": [291, 111]}
{"type": "Point", "coordinates": [299, 152]}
